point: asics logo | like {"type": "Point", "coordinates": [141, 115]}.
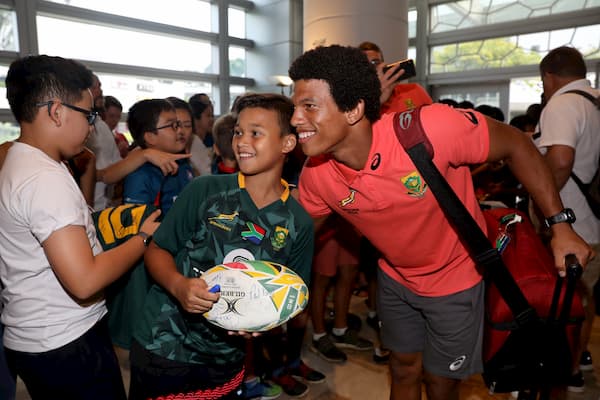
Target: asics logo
{"type": "Point", "coordinates": [456, 364]}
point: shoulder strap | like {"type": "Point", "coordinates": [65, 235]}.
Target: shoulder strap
{"type": "Point", "coordinates": [595, 101]}
{"type": "Point", "coordinates": [411, 135]}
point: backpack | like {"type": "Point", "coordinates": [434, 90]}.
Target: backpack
{"type": "Point", "coordinates": [590, 190]}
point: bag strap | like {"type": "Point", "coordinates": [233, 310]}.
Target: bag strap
{"type": "Point", "coordinates": [411, 135]}
{"type": "Point", "coordinates": [595, 101]}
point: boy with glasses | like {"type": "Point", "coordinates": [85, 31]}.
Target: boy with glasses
{"type": "Point", "coordinates": [154, 125]}
{"type": "Point", "coordinates": [52, 269]}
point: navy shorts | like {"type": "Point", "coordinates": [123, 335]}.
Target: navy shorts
{"type": "Point", "coordinates": [447, 330]}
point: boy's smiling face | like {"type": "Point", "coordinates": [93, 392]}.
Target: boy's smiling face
{"type": "Point", "coordinates": [168, 138]}
{"type": "Point", "coordinates": [257, 141]}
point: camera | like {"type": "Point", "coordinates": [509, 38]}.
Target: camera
{"type": "Point", "coordinates": [407, 65]}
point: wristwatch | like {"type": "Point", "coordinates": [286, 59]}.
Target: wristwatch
{"type": "Point", "coordinates": [566, 215]}
{"type": "Point", "coordinates": [147, 238]}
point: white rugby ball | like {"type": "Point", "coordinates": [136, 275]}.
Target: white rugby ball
{"type": "Point", "coordinates": [255, 295]}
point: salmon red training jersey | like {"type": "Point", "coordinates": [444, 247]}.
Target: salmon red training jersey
{"type": "Point", "coordinates": [392, 206]}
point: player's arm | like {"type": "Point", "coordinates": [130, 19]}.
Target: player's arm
{"type": "Point", "coordinates": [192, 293]}
{"type": "Point", "coordinates": [527, 164]}
{"type": "Point", "coordinates": [81, 273]}
{"type": "Point", "coordinates": [87, 181]}
{"type": "Point", "coordinates": [167, 162]}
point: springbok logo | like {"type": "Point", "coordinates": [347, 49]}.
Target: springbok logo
{"type": "Point", "coordinates": [405, 119]}
{"type": "Point", "coordinates": [349, 199]}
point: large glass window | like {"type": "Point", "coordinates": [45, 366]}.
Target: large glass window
{"type": "Point", "coordinates": [3, 72]}
{"type": "Point", "coordinates": [412, 24]}
{"type": "Point", "coordinates": [470, 13]}
{"type": "Point", "coordinates": [237, 22]}
{"type": "Point", "coordinates": [511, 51]}
{"type": "Point", "coordinates": [121, 46]}
{"type": "Point", "coordinates": [9, 39]}
{"type": "Point", "coordinates": [130, 89]}
{"type": "Point", "coordinates": [192, 14]}
{"type": "Point", "coordinates": [237, 61]}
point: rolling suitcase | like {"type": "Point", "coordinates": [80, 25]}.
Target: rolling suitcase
{"type": "Point", "coordinates": [535, 354]}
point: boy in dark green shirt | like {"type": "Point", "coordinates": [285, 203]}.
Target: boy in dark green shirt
{"type": "Point", "coordinates": [218, 219]}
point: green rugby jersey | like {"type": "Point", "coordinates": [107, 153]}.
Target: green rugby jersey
{"type": "Point", "coordinates": [214, 220]}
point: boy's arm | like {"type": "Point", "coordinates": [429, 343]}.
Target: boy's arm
{"type": "Point", "coordinates": [191, 293]}
{"type": "Point", "coordinates": [81, 273]}
{"type": "Point", "coordinates": [527, 164]}
{"type": "Point", "coordinates": [167, 162]}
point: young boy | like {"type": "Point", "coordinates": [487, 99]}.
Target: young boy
{"type": "Point", "coordinates": [51, 267]}
{"type": "Point", "coordinates": [154, 125]}
{"type": "Point", "coordinates": [175, 350]}
{"type": "Point", "coordinates": [430, 295]}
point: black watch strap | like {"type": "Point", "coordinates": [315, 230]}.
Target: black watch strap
{"type": "Point", "coordinates": [566, 215]}
{"type": "Point", "coordinates": [147, 238]}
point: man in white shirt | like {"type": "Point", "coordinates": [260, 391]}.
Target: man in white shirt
{"type": "Point", "coordinates": [570, 139]}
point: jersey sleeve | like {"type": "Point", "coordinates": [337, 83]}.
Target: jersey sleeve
{"type": "Point", "coordinates": [459, 136]}
{"type": "Point", "coordinates": [308, 188]}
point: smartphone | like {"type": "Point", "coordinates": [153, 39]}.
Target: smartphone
{"type": "Point", "coordinates": [407, 65]}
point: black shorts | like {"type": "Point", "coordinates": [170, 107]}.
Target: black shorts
{"type": "Point", "coordinates": [85, 369]}
{"type": "Point", "coordinates": [153, 376]}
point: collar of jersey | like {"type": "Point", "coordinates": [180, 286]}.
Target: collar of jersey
{"type": "Point", "coordinates": [284, 196]}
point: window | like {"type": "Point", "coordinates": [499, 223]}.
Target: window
{"type": "Point", "coordinates": [471, 13]}
{"type": "Point", "coordinates": [237, 61]}
{"type": "Point", "coordinates": [130, 89]}
{"type": "Point", "coordinates": [121, 46]}
{"type": "Point", "coordinates": [192, 14]}
{"type": "Point", "coordinates": [237, 22]}
{"type": "Point", "coordinates": [9, 39]}
{"type": "Point", "coordinates": [527, 49]}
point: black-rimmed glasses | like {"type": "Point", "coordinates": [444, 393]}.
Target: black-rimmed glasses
{"type": "Point", "coordinates": [175, 125]}
{"type": "Point", "coordinates": [89, 114]}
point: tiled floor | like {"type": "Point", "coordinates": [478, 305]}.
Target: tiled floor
{"type": "Point", "coordinates": [360, 378]}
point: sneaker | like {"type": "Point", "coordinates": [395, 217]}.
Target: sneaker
{"type": "Point", "coordinates": [352, 320]}
{"type": "Point", "coordinates": [325, 348]}
{"type": "Point", "coordinates": [290, 385]}
{"type": "Point", "coordinates": [373, 322]}
{"type": "Point", "coordinates": [585, 363]}
{"type": "Point", "coordinates": [351, 340]}
{"type": "Point", "coordinates": [576, 383]}
{"type": "Point", "coordinates": [381, 356]}
{"type": "Point", "coordinates": [306, 373]}
{"type": "Point", "coordinates": [258, 389]}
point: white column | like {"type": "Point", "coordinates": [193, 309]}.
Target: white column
{"type": "Point", "coordinates": [350, 22]}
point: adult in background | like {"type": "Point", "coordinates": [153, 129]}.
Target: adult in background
{"type": "Point", "coordinates": [570, 141]}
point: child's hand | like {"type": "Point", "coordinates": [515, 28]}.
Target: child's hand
{"type": "Point", "coordinates": [167, 162]}
{"type": "Point", "coordinates": [194, 295]}
{"type": "Point", "coordinates": [151, 224]}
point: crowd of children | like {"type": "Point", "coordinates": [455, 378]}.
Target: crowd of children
{"type": "Point", "coordinates": [244, 169]}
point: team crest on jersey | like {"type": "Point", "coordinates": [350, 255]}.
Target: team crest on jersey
{"type": "Point", "coordinates": [414, 184]}
{"type": "Point", "coordinates": [254, 234]}
{"type": "Point", "coordinates": [279, 237]}
{"type": "Point", "coordinates": [348, 200]}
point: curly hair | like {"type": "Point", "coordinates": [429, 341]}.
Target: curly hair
{"type": "Point", "coordinates": [347, 71]}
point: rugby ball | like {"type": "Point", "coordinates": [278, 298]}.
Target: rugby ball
{"type": "Point", "coordinates": [255, 295]}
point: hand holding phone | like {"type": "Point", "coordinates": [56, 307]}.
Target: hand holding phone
{"type": "Point", "coordinates": [407, 65]}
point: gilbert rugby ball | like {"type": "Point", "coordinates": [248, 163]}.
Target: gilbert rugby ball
{"type": "Point", "coordinates": [255, 295]}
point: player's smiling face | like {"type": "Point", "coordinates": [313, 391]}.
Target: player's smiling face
{"type": "Point", "coordinates": [320, 124]}
{"type": "Point", "coordinates": [257, 141]}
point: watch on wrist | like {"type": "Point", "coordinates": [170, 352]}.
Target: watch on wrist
{"type": "Point", "coordinates": [147, 238]}
{"type": "Point", "coordinates": [566, 215]}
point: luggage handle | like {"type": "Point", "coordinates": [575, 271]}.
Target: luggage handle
{"type": "Point", "coordinates": [574, 271]}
